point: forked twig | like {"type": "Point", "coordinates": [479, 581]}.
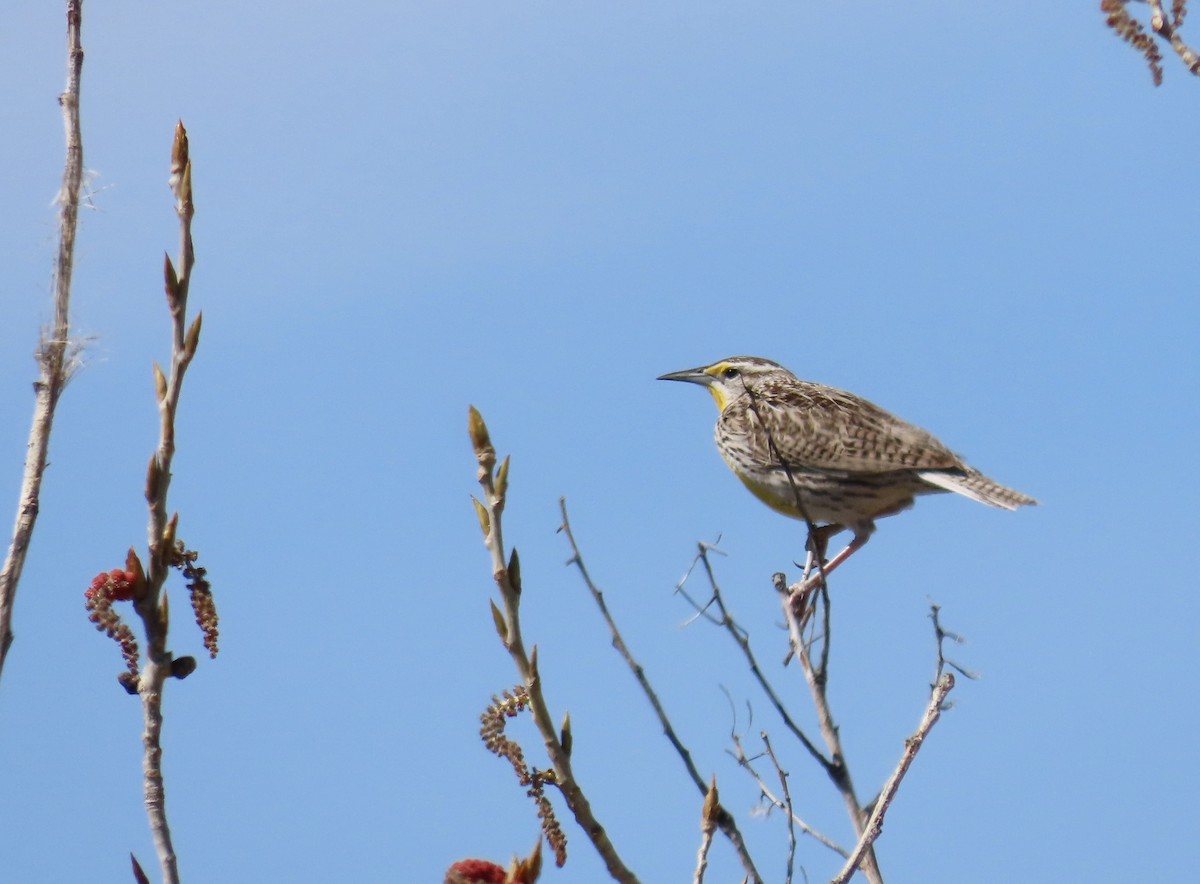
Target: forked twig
{"type": "Point", "coordinates": [741, 637]}
{"type": "Point", "coordinates": [747, 764]}
{"type": "Point", "coordinates": [941, 636]}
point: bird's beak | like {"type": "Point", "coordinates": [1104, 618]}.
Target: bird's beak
{"type": "Point", "coordinates": [691, 375]}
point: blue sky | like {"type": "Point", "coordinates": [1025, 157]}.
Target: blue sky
{"type": "Point", "coordinates": [982, 220]}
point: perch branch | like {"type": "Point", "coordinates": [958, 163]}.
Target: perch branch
{"type": "Point", "coordinates": [815, 677]}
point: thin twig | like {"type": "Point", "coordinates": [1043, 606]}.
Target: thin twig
{"type": "Point", "coordinates": [54, 361]}
{"type": "Point", "coordinates": [681, 585]}
{"type": "Point", "coordinates": [724, 818]}
{"type": "Point", "coordinates": [826, 632]}
{"type": "Point", "coordinates": [747, 764]}
{"type": "Point", "coordinates": [941, 636]}
{"type": "Point", "coordinates": [787, 805]}
{"type": "Point", "coordinates": [494, 483]}
{"type": "Point", "coordinates": [912, 745]}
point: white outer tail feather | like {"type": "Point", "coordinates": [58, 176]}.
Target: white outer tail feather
{"type": "Point", "coordinates": [975, 485]}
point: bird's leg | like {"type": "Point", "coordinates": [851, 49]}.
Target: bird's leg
{"type": "Point", "coordinates": [813, 581]}
{"type": "Point", "coordinates": [817, 546]}
{"type": "Point", "coordinates": [802, 597]}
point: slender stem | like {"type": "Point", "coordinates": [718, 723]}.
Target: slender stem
{"type": "Point", "coordinates": [747, 764]}
{"type": "Point", "coordinates": [53, 361]}
{"type": "Point", "coordinates": [152, 605]}
{"type": "Point", "coordinates": [787, 804]}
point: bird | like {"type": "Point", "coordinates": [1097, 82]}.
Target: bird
{"type": "Point", "coordinates": [828, 457]}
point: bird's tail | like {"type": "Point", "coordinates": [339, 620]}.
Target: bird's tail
{"type": "Point", "coordinates": [971, 483]}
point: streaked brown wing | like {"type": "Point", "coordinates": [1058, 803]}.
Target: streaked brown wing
{"type": "Point", "coordinates": [831, 430]}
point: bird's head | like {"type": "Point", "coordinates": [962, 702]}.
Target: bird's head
{"type": "Point", "coordinates": [730, 378]}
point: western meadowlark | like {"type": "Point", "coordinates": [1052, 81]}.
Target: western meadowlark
{"type": "Point", "coordinates": [829, 457]}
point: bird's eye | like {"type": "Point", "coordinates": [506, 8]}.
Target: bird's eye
{"type": "Point", "coordinates": [730, 373]}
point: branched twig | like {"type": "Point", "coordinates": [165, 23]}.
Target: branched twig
{"type": "Point", "coordinates": [747, 764]}
{"type": "Point", "coordinates": [507, 574]}
{"type": "Point", "coordinates": [912, 745]}
{"type": "Point", "coordinates": [725, 819]}
{"type": "Point", "coordinates": [55, 360]}
{"type": "Point", "coordinates": [941, 636]}
{"type": "Point", "coordinates": [681, 586]}
{"type": "Point", "coordinates": [741, 637]}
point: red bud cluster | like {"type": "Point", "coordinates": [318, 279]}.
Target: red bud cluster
{"type": "Point", "coordinates": [116, 585]}
{"type": "Point", "coordinates": [475, 871]}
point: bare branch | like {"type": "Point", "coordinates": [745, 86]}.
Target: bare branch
{"type": "Point", "coordinates": [724, 818]}
{"type": "Point", "coordinates": [787, 806]}
{"type": "Point", "coordinates": [741, 637]}
{"type": "Point", "coordinates": [747, 764]}
{"type": "Point", "coordinates": [53, 355]}
{"type": "Point", "coordinates": [912, 745]}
